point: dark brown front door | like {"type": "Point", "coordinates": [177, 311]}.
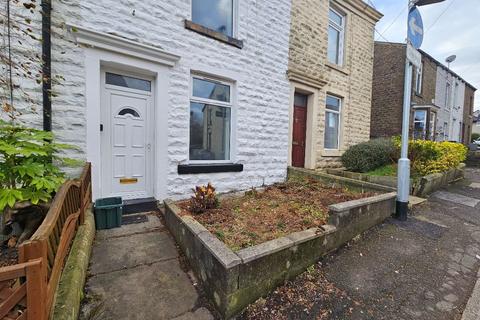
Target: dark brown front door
{"type": "Point", "coordinates": [299, 130]}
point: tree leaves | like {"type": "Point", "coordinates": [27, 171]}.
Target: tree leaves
{"type": "Point", "coordinates": [29, 160]}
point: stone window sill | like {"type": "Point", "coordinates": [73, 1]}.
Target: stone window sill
{"type": "Point", "coordinates": [209, 168]}
{"type": "Point", "coordinates": [332, 153]}
{"type": "Point", "coordinates": [213, 34]}
{"type": "Point", "coordinates": [336, 67]}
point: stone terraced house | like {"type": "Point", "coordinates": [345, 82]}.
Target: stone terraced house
{"type": "Point", "coordinates": [330, 71]}
{"type": "Point", "coordinates": [442, 102]}
{"type": "Point", "coordinates": [161, 96]}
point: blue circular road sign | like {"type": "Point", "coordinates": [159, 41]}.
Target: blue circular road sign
{"type": "Point", "coordinates": [415, 28]}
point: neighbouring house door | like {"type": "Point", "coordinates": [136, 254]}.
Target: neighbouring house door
{"type": "Point", "coordinates": [127, 137]}
{"type": "Point", "coordinates": [299, 130]}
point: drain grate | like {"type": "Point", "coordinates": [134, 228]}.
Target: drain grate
{"type": "Point", "coordinates": [422, 228]}
{"type": "Point", "coordinates": [134, 218]}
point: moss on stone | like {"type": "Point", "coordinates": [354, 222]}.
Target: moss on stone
{"type": "Point", "coordinates": [70, 289]}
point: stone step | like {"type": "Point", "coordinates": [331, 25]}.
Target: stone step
{"type": "Point", "coordinates": [139, 205]}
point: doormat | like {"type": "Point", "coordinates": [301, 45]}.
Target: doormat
{"type": "Point", "coordinates": [134, 218]}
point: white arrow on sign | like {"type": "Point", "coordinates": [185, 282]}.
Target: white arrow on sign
{"type": "Point", "coordinates": [414, 27]}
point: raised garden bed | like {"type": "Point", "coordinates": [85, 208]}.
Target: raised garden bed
{"type": "Point", "coordinates": [419, 186]}
{"type": "Point", "coordinates": [234, 279]}
{"type": "Point", "coordinates": [278, 210]}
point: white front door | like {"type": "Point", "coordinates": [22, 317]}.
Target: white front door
{"type": "Point", "coordinates": [127, 136]}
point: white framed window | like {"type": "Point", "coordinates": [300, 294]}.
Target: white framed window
{"type": "Point", "coordinates": [210, 120]}
{"type": "Point", "coordinates": [336, 36]}
{"type": "Point", "coordinates": [419, 80]}
{"type": "Point", "coordinates": [333, 110]}
{"type": "Point", "coordinates": [447, 96]}
{"type": "Point", "coordinates": [420, 125]}
{"type": "Point", "coordinates": [217, 15]}
{"type": "Point", "coordinates": [433, 125]}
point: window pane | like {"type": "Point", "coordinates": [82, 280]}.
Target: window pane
{"type": "Point", "coordinates": [211, 90]}
{"type": "Point", "coordinates": [209, 132]}
{"type": "Point", "coordinates": [128, 82]}
{"type": "Point", "coordinates": [335, 17]}
{"type": "Point", "coordinates": [419, 130]}
{"type": "Point", "coordinates": [331, 130]}
{"type": "Point", "coordinates": [333, 103]}
{"type": "Point", "coordinates": [214, 14]}
{"type": "Point", "coordinates": [333, 45]}
{"type": "Point", "coordinates": [420, 116]}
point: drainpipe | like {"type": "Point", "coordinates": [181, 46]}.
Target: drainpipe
{"type": "Point", "coordinates": [47, 64]}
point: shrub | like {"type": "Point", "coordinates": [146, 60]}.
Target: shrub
{"type": "Point", "coordinates": [204, 198]}
{"type": "Point", "coordinates": [475, 136]}
{"type": "Point", "coordinates": [432, 157]}
{"type": "Point", "coordinates": [368, 156]}
{"type": "Point", "coordinates": [29, 165]}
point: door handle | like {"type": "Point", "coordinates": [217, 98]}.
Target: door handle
{"type": "Point", "coordinates": [149, 146]}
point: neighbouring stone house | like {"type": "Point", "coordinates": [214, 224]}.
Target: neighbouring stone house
{"type": "Point", "coordinates": [161, 96]}
{"type": "Point", "coordinates": [476, 122]}
{"type": "Point", "coordinates": [468, 114]}
{"type": "Point", "coordinates": [330, 72]}
{"type": "Point", "coordinates": [438, 102]}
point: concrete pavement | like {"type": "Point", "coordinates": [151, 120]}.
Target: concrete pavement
{"type": "Point", "coordinates": [135, 273]}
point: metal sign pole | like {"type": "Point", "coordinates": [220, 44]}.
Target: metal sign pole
{"type": "Point", "coordinates": [403, 187]}
{"type": "Point", "coordinates": [403, 178]}
{"type": "Point", "coordinates": [414, 41]}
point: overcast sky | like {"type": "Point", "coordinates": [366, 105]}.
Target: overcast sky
{"type": "Point", "coordinates": [451, 27]}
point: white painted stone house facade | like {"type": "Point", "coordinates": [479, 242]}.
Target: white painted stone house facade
{"type": "Point", "coordinates": [450, 97]}
{"type": "Point", "coordinates": [135, 74]}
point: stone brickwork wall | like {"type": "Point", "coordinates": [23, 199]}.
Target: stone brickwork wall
{"type": "Point", "coordinates": [258, 70]}
{"type": "Point", "coordinates": [352, 82]}
{"type": "Point", "coordinates": [468, 113]}
{"type": "Point", "coordinates": [388, 83]}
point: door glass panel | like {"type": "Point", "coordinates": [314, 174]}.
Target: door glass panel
{"type": "Point", "coordinates": [128, 82]}
{"type": "Point", "coordinates": [300, 100]}
{"type": "Point", "coordinates": [129, 111]}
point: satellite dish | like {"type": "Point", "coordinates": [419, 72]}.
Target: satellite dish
{"type": "Point", "coordinates": [451, 59]}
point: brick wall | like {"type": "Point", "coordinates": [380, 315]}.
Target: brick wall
{"type": "Point", "coordinates": [352, 81]}
{"type": "Point", "coordinates": [468, 113]}
{"type": "Point", "coordinates": [388, 83]}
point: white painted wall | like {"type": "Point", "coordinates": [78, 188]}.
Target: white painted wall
{"type": "Point", "coordinates": [258, 72]}
{"type": "Point", "coordinates": [451, 111]}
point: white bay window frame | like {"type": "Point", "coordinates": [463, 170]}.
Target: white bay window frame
{"type": "Point", "coordinates": [216, 103]}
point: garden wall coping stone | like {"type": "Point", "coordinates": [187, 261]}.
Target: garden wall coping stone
{"type": "Point", "coordinates": [421, 188]}
{"type": "Point", "coordinates": [340, 180]}
{"type": "Point", "coordinates": [70, 289]}
{"type": "Point", "coordinates": [348, 205]}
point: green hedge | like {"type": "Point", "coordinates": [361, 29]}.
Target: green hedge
{"type": "Point", "coordinates": [369, 155]}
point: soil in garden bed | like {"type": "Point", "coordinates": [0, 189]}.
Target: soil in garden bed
{"type": "Point", "coordinates": [8, 256]}
{"type": "Point", "coordinates": [281, 209]}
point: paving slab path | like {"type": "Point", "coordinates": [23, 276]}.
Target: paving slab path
{"type": "Point", "coordinates": [425, 268]}
{"type": "Point", "coordinates": [135, 273]}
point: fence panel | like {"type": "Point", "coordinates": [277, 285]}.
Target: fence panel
{"type": "Point", "coordinates": [27, 289]}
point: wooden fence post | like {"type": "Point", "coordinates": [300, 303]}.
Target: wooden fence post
{"type": "Point", "coordinates": [33, 249]}
{"type": "Point", "coordinates": [37, 290]}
